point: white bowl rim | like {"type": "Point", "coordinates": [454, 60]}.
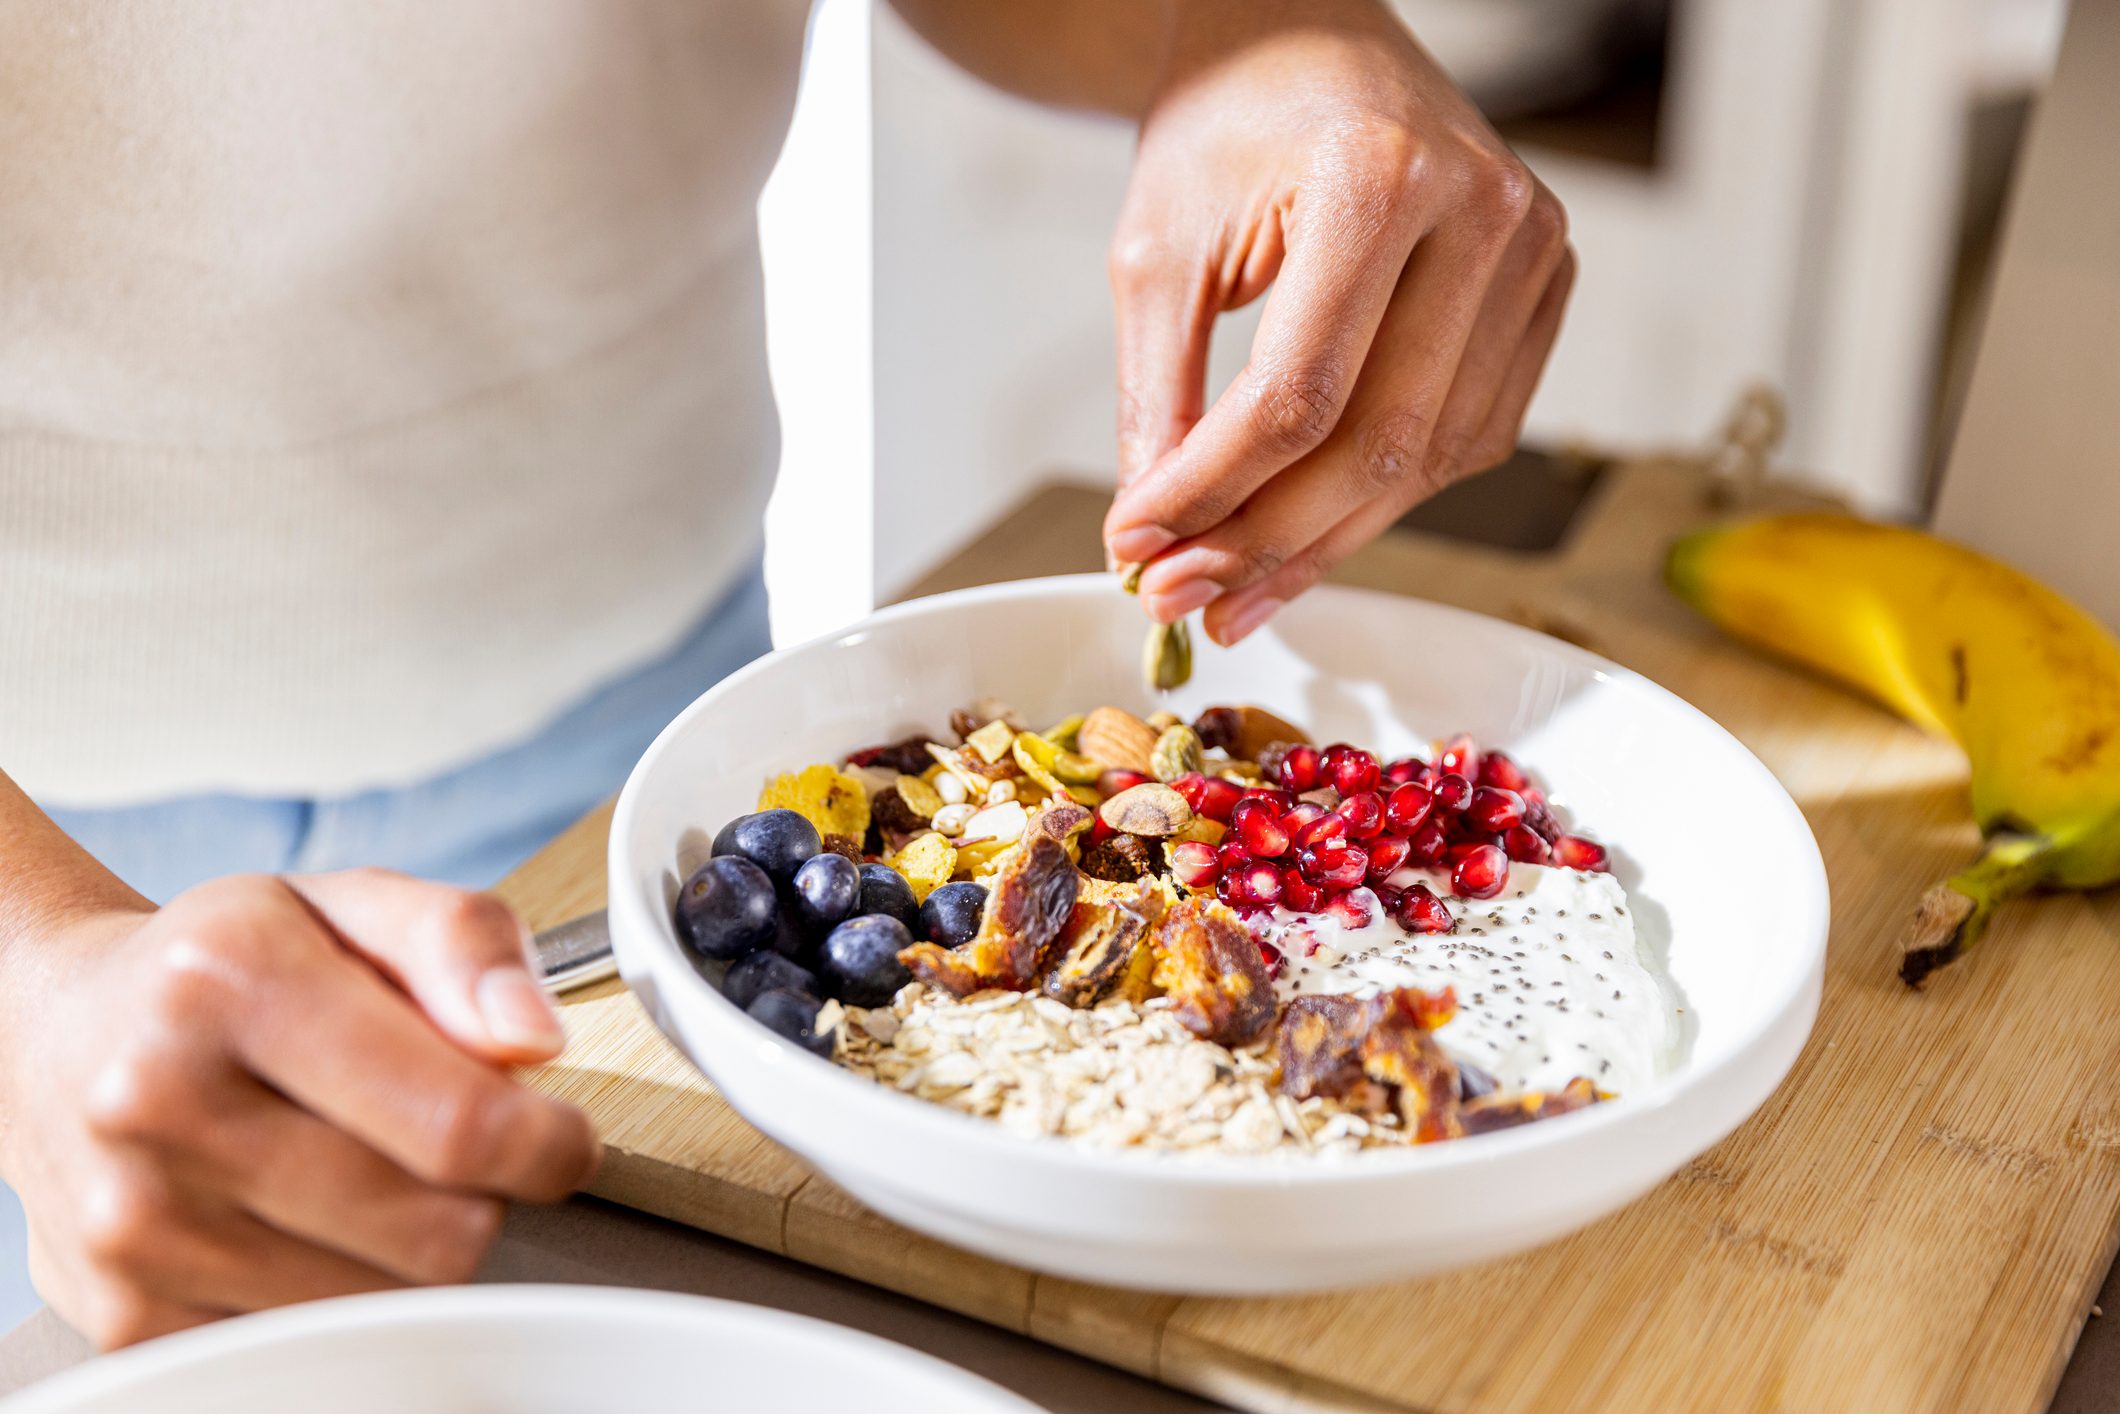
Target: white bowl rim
{"type": "Point", "coordinates": [1807, 894]}
{"type": "Point", "coordinates": [507, 1301]}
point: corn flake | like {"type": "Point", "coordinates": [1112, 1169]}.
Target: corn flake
{"type": "Point", "coordinates": [835, 802]}
{"type": "Point", "coordinates": [927, 863]}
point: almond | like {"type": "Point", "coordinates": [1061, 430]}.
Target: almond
{"type": "Point", "coordinates": [1257, 728]}
{"type": "Point", "coordinates": [1116, 739]}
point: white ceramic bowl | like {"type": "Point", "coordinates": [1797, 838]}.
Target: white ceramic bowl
{"type": "Point", "coordinates": [523, 1349]}
{"type": "Point", "coordinates": [1721, 867]}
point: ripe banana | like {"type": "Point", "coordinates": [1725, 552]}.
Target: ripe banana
{"type": "Point", "coordinates": [2021, 678]}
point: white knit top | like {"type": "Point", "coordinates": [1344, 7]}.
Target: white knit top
{"type": "Point", "coordinates": [376, 376]}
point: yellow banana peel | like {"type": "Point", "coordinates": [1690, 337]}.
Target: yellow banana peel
{"type": "Point", "coordinates": [2027, 683]}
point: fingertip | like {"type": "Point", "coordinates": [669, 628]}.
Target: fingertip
{"type": "Point", "coordinates": [519, 1020]}
{"type": "Point", "coordinates": [1241, 618]}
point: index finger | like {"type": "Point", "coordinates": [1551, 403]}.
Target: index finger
{"type": "Point", "coordinates": [1322, 314]}
{"type": "Point", "coordinates": [328, 1032]}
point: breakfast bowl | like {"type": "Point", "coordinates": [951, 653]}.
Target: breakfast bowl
{"type": "Point", "coordinates": [1725, 880]}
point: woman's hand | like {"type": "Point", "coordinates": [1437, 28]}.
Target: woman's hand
{"type": "Point", "coordinates": [1418, 271]}
{"type": "Point", "coordinates": [272, 1090]}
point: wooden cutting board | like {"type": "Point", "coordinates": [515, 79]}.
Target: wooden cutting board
{"type": "Point", "coordinates": [1918, 1219]}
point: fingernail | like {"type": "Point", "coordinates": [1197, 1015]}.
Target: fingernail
{"type": "Point", "coordinates": [516, 1011]}
{"type": "Point", "coordinates": [1140, 542]}
{"type": "Point", "coordinates": [1241, 622]}
{"type": "Point", "coordinates": [1177, 602]}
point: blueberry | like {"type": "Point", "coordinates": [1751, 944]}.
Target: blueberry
{"type": "Point", "coordinates": [761, 972]}
{"type": "Point", "coordinates": [827, 891]}
{"type": "Point", "coordinates": [790, 939]}
{"type": "Point", "coordinates": [777, 841]}
{"type": "Point", "coordinates": [860, 963]}
{"type": "Point", "coordinates": [792, 1015]}
{"type": "Point", "coordinates": [885, 891]}
{"type": "Point", "coordinates": [728, 909]}
{"type": "Point", "coordinates": [951, 914]}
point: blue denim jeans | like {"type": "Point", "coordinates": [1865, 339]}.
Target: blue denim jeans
{"type": "Point", "coordinates": [468, 826]}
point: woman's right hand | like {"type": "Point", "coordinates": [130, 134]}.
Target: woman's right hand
{"type": "Point", "coordinates": [271, 1090]}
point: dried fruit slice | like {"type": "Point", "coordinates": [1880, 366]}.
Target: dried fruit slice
{"type": "Point", "coordinates": [1154, 811]}
{"type": "Point", "coordinates": [1116, 740]}
{"type": "Point", "coordinates": [1057, 772]}
{"type": "Point", "coordinates": [1032, 899]}
{"type": "Point", "coordinates": [829, 798]}
{"type": "Point", "coordinates": [1207, 963]}
{"type": "Point", "coordinates": [1491, 1112]}
{"type": "Point", "coordinates": [1321, 1045]}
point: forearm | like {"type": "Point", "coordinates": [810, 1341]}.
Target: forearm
{"type": "Point", "coordinates": [1097, 54]}
{"type": "Point", "coordinates": [46, 880]}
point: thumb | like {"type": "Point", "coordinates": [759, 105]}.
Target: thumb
{"type": "Point", "coordinates": [463, 957]}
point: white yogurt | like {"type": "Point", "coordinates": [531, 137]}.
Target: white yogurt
{"type": "Point", "coordinates": [1550, 981]}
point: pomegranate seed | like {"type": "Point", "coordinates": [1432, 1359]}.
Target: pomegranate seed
{"type": "Point", "coordinates": [1231, 855]}
{"type": "Point", "coordinates": [1460, 757]}
{"type": "Point", "coordinates": [1575, 852]}
{"type": "Point", "coordinates": [1481, 873]}
{"type": "Point", "coordinates": [1300, 814]}
{"type": "Point", "coordinates": [1389, 898]}
{"type": "Point", "coordinates": [1495, 808]}
{"type": "Point", "coordinates": [1281, 800]}
{"type": "Point", "coordinates": [1525, 845]}
{"type": "Point", "coordinates": [1194, 864]}
{"type": "Point", "coordinates": [1386, 853]}
{"type": "Point", "coordinates": [1328, 828]}
{"type": "Point", "coordinates": [1217, 798]}
{"type": "Point", "coordinates": [1299, 768]}
{"type": "Point", "coordinates": [1353, 909]}
{"type": "Point", "coordinates": [1193, 786]}
{"type": "Point", "coordinates": [1429, 842]}
{"type": "Point", "coordinates": [1298, 894]}
{"type": "Point", "coordinates": [1230, 888]}
{"type": "Point", "coordinates": [1539, 816]}
{"type": "Point", "coordinates": [1408, 807]}
{"type": "Point", "coordinates": [1262, 883]}
{"type": "Point", "coordinates": [1350, 770]}
{"type": "Point", "coordinates": [1364, 813]}
{"type": "Point", "coordinates": [1452, 792]}
{"type": "Point", "coordinates": [1459, 848]}
{"type": "Point", "coordinates": [1271, 956]}
{"type": "Point", "coordinates": [1420, 911]}
{"type": "Point", "coordinates": [1334, 866]}
{"type": "Point", "coordinates": [1406, 768]}
{"type": "Point", "coordinates": [1258, 825]}
{"type": "Point", "coordinates": [1499, 771]}
{"type": "Point", "coordinates": [1115, 780]}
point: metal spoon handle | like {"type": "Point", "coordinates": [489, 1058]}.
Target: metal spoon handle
{"type": "Point", "coordinates": [575, 953]}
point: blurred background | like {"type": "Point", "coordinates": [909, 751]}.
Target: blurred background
{"type": "Point", "coordinates": [1805, 192]}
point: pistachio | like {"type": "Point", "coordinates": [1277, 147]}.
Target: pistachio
{"type": "Point", "coordinates": [1130, 576]}
{"type": "Point", "coordinates": [1177, 753]}
{"type": "Point", "coordinates": [1114, 739]}
{"type": "Point", "coordinates": [1153, 810]}
{"type": "Point", "coordinates": [1166, 656]}
{"type": "Point", "coordinates": [992, 741]}
{"type": "Point", "coordinates": [1164, 721]}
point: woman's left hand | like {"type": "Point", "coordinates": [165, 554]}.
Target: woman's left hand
{"type": "Point", "coordinates": [1418, 272]}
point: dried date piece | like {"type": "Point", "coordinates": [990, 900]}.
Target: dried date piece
{"type": "Point", "coordinates": [1207, 963]}
{"type": "Point", "coordinates": [1321, 1049]}
{"type": "Point", "coordinates": [1106, 956]}
{"type": "Point", "coordinates": [1400, 1052]}
{"type": "Point", "coordinates": [1031, 902]}
{"type": "Point", "coordinates": [1492, 1112]}
{"type": "Point", "coordinates": [1122, 859]}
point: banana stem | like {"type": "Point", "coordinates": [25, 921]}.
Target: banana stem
{"type": "Point", "coordinates": [1952, 915]}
